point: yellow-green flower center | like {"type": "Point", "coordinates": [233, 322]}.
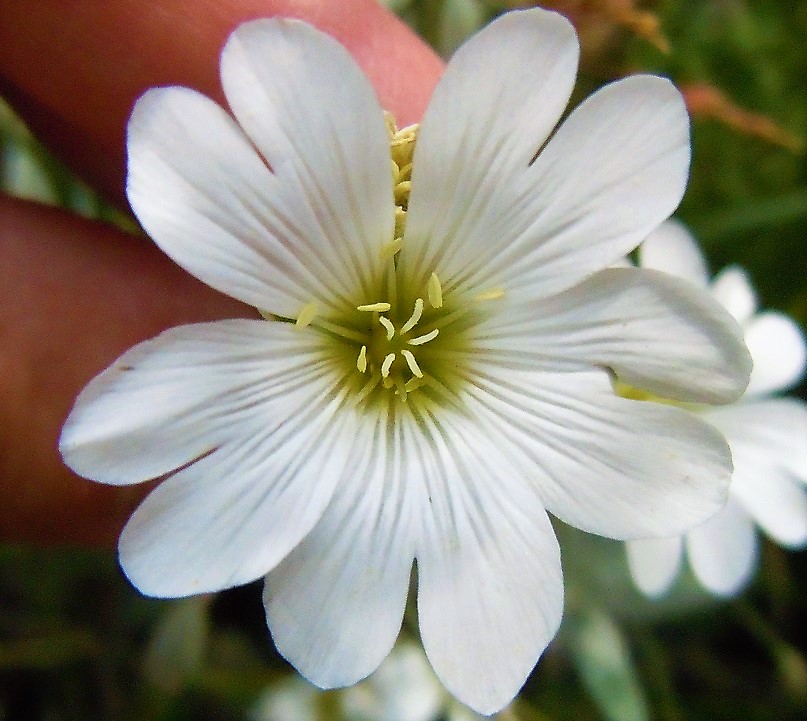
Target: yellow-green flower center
{"type": "Point", "coordinates": [405, 339]}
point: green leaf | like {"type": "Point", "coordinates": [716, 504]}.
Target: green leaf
{"type": "Point", "coordinates": [177, 647]}
{"type": "Point", "coordinates": [603, 660]}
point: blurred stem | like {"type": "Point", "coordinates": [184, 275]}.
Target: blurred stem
{"type": "Point", "coordinates": [659, 679]}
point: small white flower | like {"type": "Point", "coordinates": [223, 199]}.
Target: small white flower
{"type": "Point", "coordinates": [767, 436]}
{"type": "Point", "coordinates": [402, 688]}
{"type": "Point", "coordinates": [420, 397]}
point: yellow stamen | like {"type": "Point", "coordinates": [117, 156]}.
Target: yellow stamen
{"type": "Point", "coordinates": [492, 294]}
{"type": "Point", "coordinates": [387, 364]}
{"type": "Point", "coordinates": [404, 172]}
{"type": "Point", "coordinates": [266, 315]}
{"type": "Point", "coordinates": [402, 191]}
{"type": "Point", "coordinates": [413, 384]}
{"type": "Point", "coordinates": [361, 361]}
{"type": "Point", "coordinates": [387, 323]}
{"type": "Point", "coordinates": [412, 363]}
{"type": "Point", "coordinates": [402, 144]}
{"type": "Point", "coordinates": [366, 389]}
{"type": "Point", "coordinates": [400, 222]}
{"type": "Point", "coordinates": [396, 173]}
{"type": "Point", "coordinates": [400, 389]}
{"type": "Point", "coordinates": [380, 307]}
{"type": "Point", "coordinates": [420, 340]}
{"type": "Point", "coordinates": [341, 331]}
{"type": "Point", "coordinates": [435, 291]}
{"type": "Point", "coordinates": [414, 318]}
{"type": "Point", "coordinates": [389, 121]}
{"type": "Point", "coordinates": [388, 250]}
{"type": "Point", "coordinates": [307, 314]}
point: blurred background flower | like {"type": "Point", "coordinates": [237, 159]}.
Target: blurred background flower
{"type": "Point", "coordinates": [767, 436]}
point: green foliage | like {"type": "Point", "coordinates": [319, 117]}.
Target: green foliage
{"type": "Point", "coordinates": [602, 657]}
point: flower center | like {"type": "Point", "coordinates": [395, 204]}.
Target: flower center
{"type": "Point", "coordinates": [405, 339]}
{"type": "Point", "coordinates": [390, 356]}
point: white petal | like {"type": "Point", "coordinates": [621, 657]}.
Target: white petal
{"type": "Point", "coordinates": [772, 497]}
{"type": "Point", "coordinates": [723, 551]}
{"type": "Point", "coordinates": [336, 603]}
{"type": "Point", "coordinates": [613, 171]}
{"type": "Point", "coordinates": [247, 408]}
{"type": "Point", "coordinates": [768, 440]}
{"type": "Point", "coordinates": [499, 98]}
{"type": "Point", "coordinates": [654, 563]}
{"type": "Point", "coordinates": [207, 199]}
{"type": "Point", "coordinates": [315, 118]}
{"type": "Point", "coordinates": [655, 331]}
{"type": "Point", "coordinates": [775, 428]}
{"type": "Point", "coordinates": [732, 289]}
{"type": "Point", "coordinates": [179, 396]}
{"type": "Point", "coordinates": [619, 468]}
{"type": "Point", "coordinates": [778, 349]}
{"type": "Point", "coordinates": [277, 238]}
{"type": "Point", "coordinates": [490, 588]}
{"type": "Point", "coordinates": [671, 248]}
{"type": "Point", "coordinates": [230, 517]}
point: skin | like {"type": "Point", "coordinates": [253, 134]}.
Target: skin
{"type": "Point", "coordinates": [76, 294]}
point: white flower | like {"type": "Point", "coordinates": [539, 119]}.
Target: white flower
{"type": "Point", "coordinates": [767, 436]}
{"type": "Point", "coordinates": [426, 404]}
{"type": "Point", "coordinates": [402, 688]}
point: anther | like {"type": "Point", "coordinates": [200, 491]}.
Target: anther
{"type": "Point", "coordinates": [387, 364]}
{"type": "Point", "coordinates": [435, 291]}
{"type": "Point", "coordinates": [307, 314]}
{"type": "Point", "coordinates": [380, 307]}
{"type": "Point", "coordinates": [414, 318]}
{"type": "Point", "coordinates": [361, 361]}
{"type": "Point", "coordinates": [412, 363]}
{"type": "Point", "coordinates": [421, 339]}
{"type": "Point", "coordinates": [387, 323]}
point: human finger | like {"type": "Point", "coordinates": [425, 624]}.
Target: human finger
{"type": "Point", "coordinates": [74, 70]}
